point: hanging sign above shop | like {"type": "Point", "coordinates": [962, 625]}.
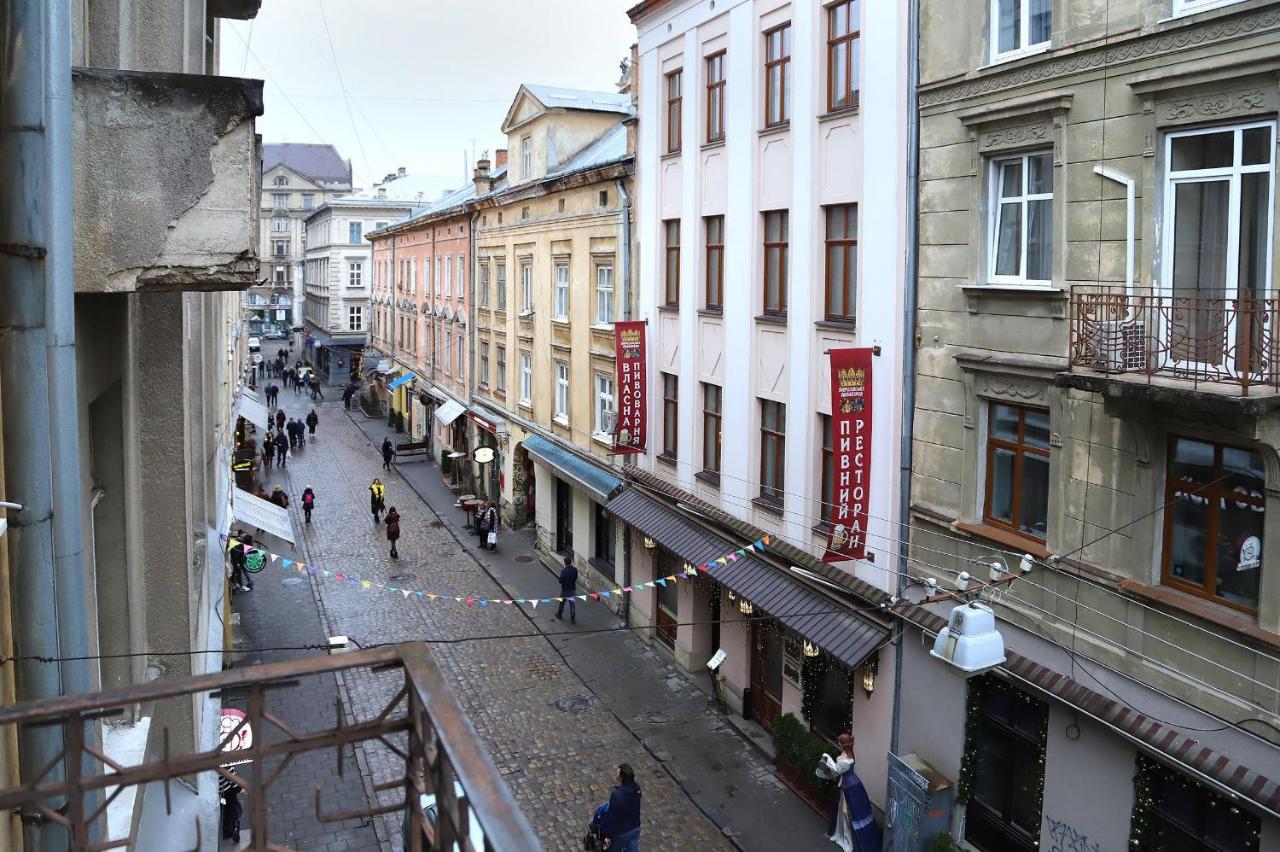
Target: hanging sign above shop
{"type": "Point", "coordinates": [850, 453]}
{"type": "Point", "coordinates": [632, 392]}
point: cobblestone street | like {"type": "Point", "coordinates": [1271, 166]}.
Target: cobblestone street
{"type": "Point", "coordinates": [557, 714]}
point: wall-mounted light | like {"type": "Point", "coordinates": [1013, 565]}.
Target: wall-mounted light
{"type": "Point", "coordinates": [869, 671]}
{"type": "Point", "coordinates": [810, 649]}
{"type": "Point", "coordinates": [745, 607]}
{"type": "Point", "coordinates": [649, 544]}
{"type": "Point", "coordinates": [732, 596]}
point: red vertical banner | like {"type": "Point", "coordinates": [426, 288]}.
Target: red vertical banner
{"type": "Point", "coordinates": [850, 453]}
{"type": "Point", "coordinates": [632, 394]}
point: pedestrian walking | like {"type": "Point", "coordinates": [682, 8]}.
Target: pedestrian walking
{"type": "Point", "coordinates": [377, 499]}
{"type": "Point", "coordinates": [315, 388]}
{"type": "Point", "coordinates": [280, 418]}
{"type": "Point", "coordinates": [620, 822]}
{"type": "Point", "coordinates": [347, 394]}
{"type": "Point", "coordinates": [489, 526]}
{"type": "Point", "coordinates": [393, 530]}
{"type": "Point", "coordinates": [279, 497]}
{"type": "Point", "coordinates": [262, 494]}
{"type": "Point", "coordinates": [388, 453]}
{"type": "Point", "coordinates": [568, 590]}
{"type": "Point", "coordinates": [282, 448]}
{"type": "Point", "coordinates": [268, 452]}
{"type": "Point", "coordinates": [240, 581]}
{"type": "Point", "coordinates": [852, 826]}
{"type": "Point", "coordinates": [274, 390]}
{"type": "Point", "coordinates": [313, 420]}
{"type": "Point", "coordinates": [308, 502]}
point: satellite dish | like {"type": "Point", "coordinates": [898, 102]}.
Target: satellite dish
{"type": "Point", "coordinates": [484, 455]}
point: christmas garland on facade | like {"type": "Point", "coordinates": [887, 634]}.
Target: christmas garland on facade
{"type": "Point", "coordinates": [811, 672]}
{"type": "Point", "coordinates": [1141, 834]}
{"type": "Point", "coordinates": [969, 758]}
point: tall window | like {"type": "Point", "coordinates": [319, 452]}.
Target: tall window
{"type": "Point", "coordinates": [355, 318]}
{"type": "Point", "coordinates": [280, 199]}
{"type": "Point", "coordinates": [670, 415]}
{"type": "Point", "coordinates": [604, 293]}
{"type": "Point", "coordinates": [280, 248]}
{"type": "Point", "coordinates": [777, 75]}
{"type": "Point", "coordinates": [675, 110]}
{"type": "Point", "coordinates": [560, 306]}
{"type": "Point", "coordinates": [354, 232]}
{"type": "Point", "coordinates": [526, 377]}
{"type": "Point", "coordinates": [502, 285]}
{"type": "Point", "coordinates": [711, 408]}
{"type": "Point", "coordinates": [671, 280]}
{"type": "Point", "coordinates": [715, 97]}
{"type": "Point", "coordinates": [604, 535]}
{"type": "Point", "coordinates": [604, 403]}
{"type": "Point", "coordinates": [1184, 815]}
{"type": "Point", "coordinates": [448, 274]}
{"type": "Point", "coordinates": [462, 276]}
{"type": "Point", "coordinates": [1017, 495]}
{"type": "Point", "coordinates": [308, 201]}
{"type": "Point", "coordinates": [842, 262]}
{"type": "Point", "coordinates": [281, 274]}
{"type": "Point", "coordinates": [448, 349]}
{"type": "Point", "coordinates": [439, 274]}
{"type": "Point", "coordinates": [461, 340]}
{"type": "Point", "coordinates": [526, 157]}
{"type": "Point", "coordinates": [775, 262]}
{"type": "Point", "coordinates": [1022, 219]}
{"type": "Point", "coordinates": [773, 439]}
{"type": "Point", "coordinates": [355, 273]}
{"type": "Point", "coordinates": [827, 469]}
{"type": "Point", "coordinates": [280, 223]}
{"type": "Point", "coordinates": [1009, 743]}
{"type": "Point", "coordinates": [1213, 526]}
{"type": "Point", "coordinates": [484, 362]}
{"type": "Point", "coordinates": [484, 283]}
{"type": "Point", "coordinates": [562, 390]}
{"type": "Point", "coordinates": [715, 262]}
{"type": "Point", "coordinates": [526, 288]}
{"type": "Point", "coordinates": [502, 368]}
{"type": "Point", "coordinates": [842, 54]}
{"type": "Point", "coordinates": [1019, 25]}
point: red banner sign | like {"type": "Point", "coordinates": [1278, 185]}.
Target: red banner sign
{"type": "Point", "coordinates": [851, 453]}
{"type": "Point", "coordinates": [632, 393]}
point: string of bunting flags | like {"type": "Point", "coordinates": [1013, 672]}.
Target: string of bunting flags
{"type": "Point", "coordinates": [367, 584]}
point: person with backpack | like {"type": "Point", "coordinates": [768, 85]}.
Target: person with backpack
{"type": "Point", "coordinates": [313, 420]}
{"type": "Point", "coordinates": [308, 502]}
{"type": "Point", "coordinates": [279, 497]}
{"type": "Point", "coordinates": [393, 530]}
{"type": "Point", "coordinates": [377, 499]}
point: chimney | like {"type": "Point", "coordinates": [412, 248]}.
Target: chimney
{"type": "Point", "coordinates": [390, 177]}
{"type": "Point", "coordinates": [480, 176]}
{"type": "Point", "coordinates": [400, 171]}
{"type": "Point", "coordinates": [500, 158]}
{"type": "Point", "coordinates": [382, 192]}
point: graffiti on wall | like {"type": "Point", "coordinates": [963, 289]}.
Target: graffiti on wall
{"type": "Point", "coordinates": [1064, 838]}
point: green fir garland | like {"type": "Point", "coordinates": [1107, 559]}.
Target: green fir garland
{"type": "Point", "coordinates": [969, 758]}
{"type": "Point", "coordinates": [811, 672]}
{"type": "Point", "coordinates": [1142, 834]}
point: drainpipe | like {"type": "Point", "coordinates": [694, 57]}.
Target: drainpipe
{"type": "Point", "coordinates": [473, 377]}
{"type": "Point", "coordinates": [626, 249]}
{"type": "Point", "coordinates": [24, 374]}
{"type": "Point", "coordinates": [908, 344]}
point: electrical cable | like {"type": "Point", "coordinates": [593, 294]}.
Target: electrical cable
{"type": "Point", "coordinates": [276, 83]}
{"type": "Point", "coordinates": [324, 19]}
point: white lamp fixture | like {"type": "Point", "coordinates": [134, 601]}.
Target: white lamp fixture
{"type": "Point", "coordinates": [4, 522]}
{"type": "Point", "coordinates": [970, 641]}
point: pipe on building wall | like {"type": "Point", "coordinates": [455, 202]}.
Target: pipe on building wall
{"type": "Point", "coordinates": [908, 344]}
{"type": "Point", "coordinates": [24, 372]}
{"type": "Point", "coordinates": [626, 248]}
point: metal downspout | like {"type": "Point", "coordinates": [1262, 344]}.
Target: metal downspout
{"type": "Point", "coordinates": [908, 344]}
{"type": "Point", "coordinates": [626, 250]}
{"type": "Point", "coordinates": [24, 374]}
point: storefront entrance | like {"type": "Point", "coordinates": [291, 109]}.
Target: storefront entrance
{"type": "Point", "coordinates": [564, 517]}
{"type": "Point", "coordinates": [766, 672]}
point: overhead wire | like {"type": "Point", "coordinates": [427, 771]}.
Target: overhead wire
{"type": "Point", "coordinates": [342, 85]}
{"type": "Point", "coordinates": [276, 83]}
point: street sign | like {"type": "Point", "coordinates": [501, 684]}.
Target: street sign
{"type": "Point", "coordinates": [484, 455]}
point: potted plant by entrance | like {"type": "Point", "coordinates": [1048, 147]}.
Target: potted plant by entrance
{"type": "Point", "coordinates": [798, 750]}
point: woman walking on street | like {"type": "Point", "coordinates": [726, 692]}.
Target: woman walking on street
{"type": "Point", "coordinates": [377, 497]}
{"type": "Point", "coordinates": [280, 418]}
{"type": "Point", "coordinates": [393, 530]}
{"type": "Point", "coordinates": [308, 502]}
{"type": "Point", "coordinates": [489, 526]}
{"type": "Point", "coordinates": [313, 420]}
{"type": "Point", "coordinates": [388, 453]}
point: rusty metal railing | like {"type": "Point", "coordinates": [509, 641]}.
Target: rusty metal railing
{"type": "Point", "coordinates": [1183, 335]}
{"type": "Point", "coordinates": [423, 725]}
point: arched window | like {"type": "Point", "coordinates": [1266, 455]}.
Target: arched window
{"type": "Point", "coordinates": [282, 180]}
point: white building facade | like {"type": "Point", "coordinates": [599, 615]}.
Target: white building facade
{"type": "Point", "coordinates": [770, 230]}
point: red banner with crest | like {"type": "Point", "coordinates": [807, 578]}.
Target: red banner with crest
{"type": "Point", "coordinates": [631, 431]}
{"type": "Point", "coordinates": [850, 454]}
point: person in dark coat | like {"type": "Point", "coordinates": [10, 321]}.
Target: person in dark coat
{"type": "Point", "coordinates": [488, 523]}
{"type": "Point", "coordinates": [377, 499]}
{"type": "Point", "coordinates": [279, 497]}
{"type": "Point", "coordinates": [313, 420]}
{"type": "Point", "coordinates": [388, 453]}
{"type": "Point", "coordinates": [393, 530]}
{"type": "Point", "coordinates": [316, 393]}
{"type": "Point", "coordinates": [568, 590]}
{"type": "Point", "coordinates": [282, 448]}
{"type": "Point", "coordinates": [347, 395]}
{"type": "Point", "coordinates": [268, 452]}
{"type": "Point", "coordinates": [240, 581]}
{"type": "Point", "coordinates": [280, 418]}
{"type": "Point", "coordinates": [620, 823]}
{"type": "Point", "coordinates": [308, 502]}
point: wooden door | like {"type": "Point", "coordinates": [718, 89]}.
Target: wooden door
{"type": "Point", "coordinates": [564, 516]}
{"type": "Point", "coordinates": [766, 673]}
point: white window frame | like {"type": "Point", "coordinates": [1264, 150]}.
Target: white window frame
{"type": "Point", "coordinates": [279, 223]}
{"type": "Point", "coordinates": [501, 284]}
{"type": "Point", "coordinates": [484, 283]}
{"type": "Point", "coordinates": [562, 392]}
{"type": "Point", "coordinates": [1191, 7]}
{"type": "Point", "coordinates": [448, 350]}
{"type": "Point", "coordinates": [355, 318]}
{"type": "Point", "coordinates": [276, 199]}
{"type": "Point", "coordinates": [526, 157]}
{"type": "Point", "coordinates": [281, 180]}
{"type": "Point", "coordinates": [560, 291]}
{"type": "Point", "coordinates": [448, 274]}
{"type": "Point", "coordinates": [604, 404]}
{"type": "Point", "coordinates": [355, 227]}
{"type": "Point", "coordinates": [994, 204]}
{"type": "Point", "coordinates": [526, 287]}
{"type": "Point", "coordinates": [1023, 49]}
{"type": "Point", "coordinates": [502, 368]}
{"type": "Point", "coordinates": [484, 363]}
{"type": "Point", "coordinates": [604, 293]}
{"type": "Point", "coordinates": [462, 276]}
{"type": "Point", "coordinates": [460, 340]}
{"type": "Point", "coordinates": [308, 201]}
{"type": "Point", "coordinates": [526, 377]}
{"type": "Point", "coordinates": [355, 273]}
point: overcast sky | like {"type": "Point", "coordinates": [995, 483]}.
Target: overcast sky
{"type": "Point", "coordinates": [427, 79]}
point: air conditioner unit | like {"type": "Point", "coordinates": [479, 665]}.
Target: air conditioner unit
{"type": "Point", "coordinates": [1117, 346]}
{"type": "Point", "coordinates": [609, 422]}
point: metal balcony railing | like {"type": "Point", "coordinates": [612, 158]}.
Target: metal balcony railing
{"type": "Point", "coordinates": [1184, 335]}
{"type": "Point", "coordinates": [422, 725]}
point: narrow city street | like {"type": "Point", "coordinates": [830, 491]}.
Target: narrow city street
{"type": "Point", "coordinates": [557, 704]}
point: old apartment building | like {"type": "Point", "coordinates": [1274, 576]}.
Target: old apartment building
{"type": "Point", "coordinates": [1097, 407]}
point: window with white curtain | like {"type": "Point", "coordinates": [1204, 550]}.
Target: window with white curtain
{"type": "Point", "coordinates": [462, 276]}
{"type": "Point", "coordinates": [562, 391]}
{"type": "Point", "coordinates": [561, 306]}
{"type": "Point", "coordinates": [604, 293]}
{"type": "Point", "coordinates": [604, 402]}
{"type": "Point", "coordinates": [1020, 26]}
{"type": "Point", "coordinates": [1021, 219]}
{"type": "Point", "coordinates": [526, 288]}
{"type": "Point", "coordinates": [526, 377]}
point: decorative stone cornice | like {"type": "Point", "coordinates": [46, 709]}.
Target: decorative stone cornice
{"type": "Point", "coordinates": [1157, 44]}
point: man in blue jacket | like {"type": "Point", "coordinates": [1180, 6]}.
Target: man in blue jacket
{"type": "Point", "coordinates": [620, 823]}
{"type": "Point", "coordinates": [568, 590]}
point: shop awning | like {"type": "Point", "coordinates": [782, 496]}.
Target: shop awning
{"type": "Point", "coordinates": [250, 407]}
{"type": "Point", "coordinates": [400, 380]}
{"type": "Point", "coordinates": [844, 635]}
{"type": "Point", "coordinates": [263, 514]}
{"type": "Point", "coordinates": [600, 483]}
{"type": "Point", "coordinates": [449, 411]}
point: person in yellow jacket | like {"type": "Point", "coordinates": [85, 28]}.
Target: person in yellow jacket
{"type": "Point", "coordinates": [377, 500]}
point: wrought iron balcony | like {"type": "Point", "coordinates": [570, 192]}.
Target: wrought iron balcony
{"type": "Point", "coordinates": [1224, 346]}
{"type": "Point", "coordinates": [421, 726]}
